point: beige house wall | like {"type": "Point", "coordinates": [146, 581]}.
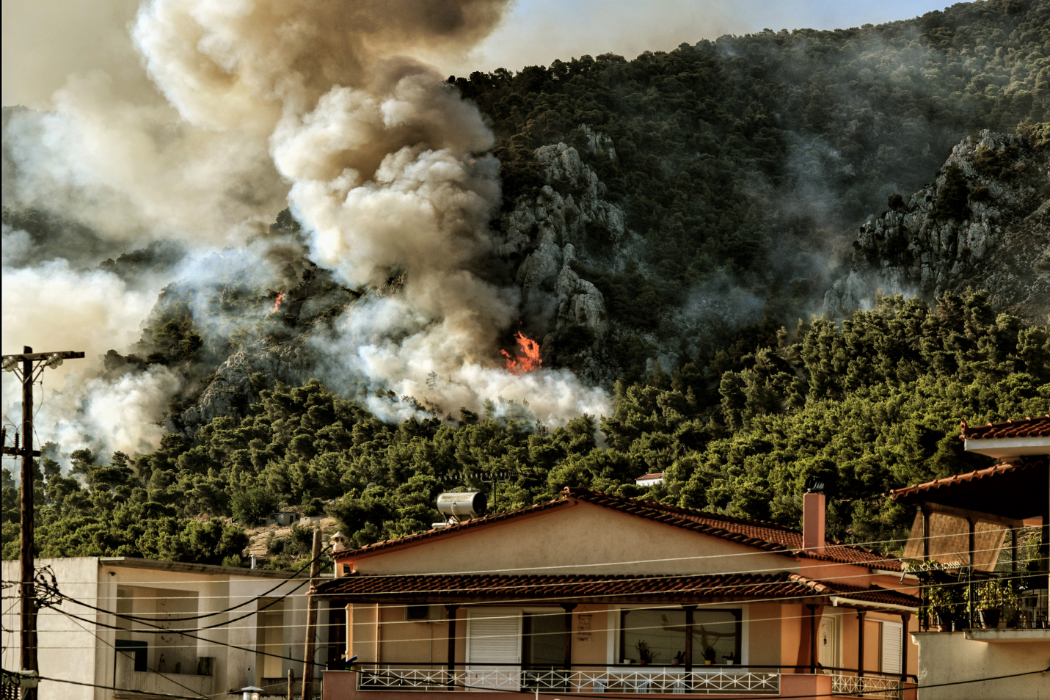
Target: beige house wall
{"type": "Point", "coordinates": [948, 657]}
{"type": "Point", "coordinates": [581, 538]}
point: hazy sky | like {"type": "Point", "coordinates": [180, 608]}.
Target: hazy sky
{"type": "Point", "coordinates": [44, 42]}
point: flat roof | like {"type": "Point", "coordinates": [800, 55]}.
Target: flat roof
{"type": "Point", "coordinates": [192, 568]}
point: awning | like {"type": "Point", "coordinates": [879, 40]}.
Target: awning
{"type": "Point", "coordinates": [569, 588]}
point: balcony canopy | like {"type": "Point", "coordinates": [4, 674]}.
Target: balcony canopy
{"type": "Point", "coordinates": [1015, 490]}
{"type": "Point", "coordinates": [554, 590]}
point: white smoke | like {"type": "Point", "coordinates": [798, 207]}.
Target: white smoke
{"type": "Point", "coordinates": [388, 175]}
{"type": "Point", "coordinates": [135, 172]}
{"type": "Point", "coordinates": [53, 307]}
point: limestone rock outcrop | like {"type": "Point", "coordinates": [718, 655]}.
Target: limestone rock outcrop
{"type": "Point", "coordinates": [995, 235]}
{"type": "Point", "coordinates": [568, 221]}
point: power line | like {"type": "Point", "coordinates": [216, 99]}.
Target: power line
{"type": "Point", "coordinates": [545, 598]}
{"type": "Point", "coordinates": [785, 552]}
{"type": "Point", "coordinates": [214, 642]}
{"type": "Point", "coordinates": [665, 606]}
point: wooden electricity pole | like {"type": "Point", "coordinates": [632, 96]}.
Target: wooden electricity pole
{"type": "Point", "coordinates": [30, 361]}
{"type": "Point", "coordinates": [311, 620]}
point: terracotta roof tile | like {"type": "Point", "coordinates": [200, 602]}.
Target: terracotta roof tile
{"type": "Point", "coordinates": [1020, 428]}
{"type": "Point", "coordinates": [458, 527]}
{"type": "Point", "coordinates": [910, 494]}
{"type": "Point", "coordinates": [761, 534]}
{"type": "Point", "coordinates": [595, 588]}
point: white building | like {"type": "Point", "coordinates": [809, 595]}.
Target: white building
{"type": "Point", "coordinates": [650, 479]}
{"type": "Point", "coordinates": [86, 650]}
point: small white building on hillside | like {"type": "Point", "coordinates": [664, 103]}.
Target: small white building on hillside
{"type": "Point", "coordinates": [86, 651]}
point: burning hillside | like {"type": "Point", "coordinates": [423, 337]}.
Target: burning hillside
{"type": "Point", "coordinates": [527, 358]}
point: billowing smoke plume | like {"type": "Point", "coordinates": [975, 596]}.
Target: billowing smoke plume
{"type": "Point", "coordinates": [327, 108]}
{"type": "Point", "coordinates": [388, 174]}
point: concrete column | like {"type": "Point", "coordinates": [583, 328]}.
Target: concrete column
{"type": "Point", "coordinates": [905, 617]}
{"type": "Point", "coordinates": [451, 610]}
{"type": "Point", "coordinates": [689, 623]}
{"type": "Point", "coordinates": [812, 638]}
{"type": "Point", "coordinates": [568, 608]}
{"type": "Point", "coordinates": [861, 615]}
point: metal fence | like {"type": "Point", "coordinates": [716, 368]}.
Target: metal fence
{"type": "Point", "coordinates": [624, 682]}
{"type": "Point", "coordinates": [866, 686]}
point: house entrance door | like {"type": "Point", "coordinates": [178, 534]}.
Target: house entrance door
{"type": "Point", "coordinates": [828, 641]}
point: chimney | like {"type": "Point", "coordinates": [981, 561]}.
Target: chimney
{"type": "Point", "coordinates": [813, 522]}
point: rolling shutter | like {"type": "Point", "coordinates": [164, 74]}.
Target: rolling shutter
{"type": "Point", "coordinates": [494, 637]}
{"type": "Point", "coordinates": [891, 647]}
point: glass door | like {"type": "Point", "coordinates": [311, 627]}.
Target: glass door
{"type": "Point", "coordinates": [543, 651]}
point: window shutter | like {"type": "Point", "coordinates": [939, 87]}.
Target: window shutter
{"type": "Point", "coordinates": [494, 637]}
{"type": "Point", "coordinates": [891, 647]}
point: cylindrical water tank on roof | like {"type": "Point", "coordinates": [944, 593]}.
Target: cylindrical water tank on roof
{"type": "Point", "coordinates": [462, 505]}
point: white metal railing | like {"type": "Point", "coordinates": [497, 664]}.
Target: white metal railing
{"type": "Point", "coordinates": [866, 686]}
{"type": "Point", "coordinates": [656, 681]}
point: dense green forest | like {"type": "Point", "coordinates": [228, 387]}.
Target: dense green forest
{"type": "Point", "coordinates": [868, 405]}
{"type": "Point", "coordinates": [749, 159]}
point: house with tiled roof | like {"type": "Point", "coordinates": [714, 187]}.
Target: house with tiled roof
{"type": "Point", "coordinates": [594, 593]}
{"type": "Point", "coordinates": [984, 540]}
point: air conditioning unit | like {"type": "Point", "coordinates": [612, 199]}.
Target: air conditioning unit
{"type": "Point", "coordinates": [418, 613]}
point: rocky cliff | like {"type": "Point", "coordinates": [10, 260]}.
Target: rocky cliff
{"type": "Point", "coordinates": [567, 221]}
{"type": "Point", "coordinates": [984, 222]}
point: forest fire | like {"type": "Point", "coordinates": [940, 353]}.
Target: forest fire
{"type": "Point", "coordinates": [528, 357]}
{"type": "Point", "coordinates": [277, 304]}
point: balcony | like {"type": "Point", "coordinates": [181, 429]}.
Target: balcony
{"type": "Point", "coordinates": [131, 676]}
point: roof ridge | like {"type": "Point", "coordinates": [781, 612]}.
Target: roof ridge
{"type": "Point", "coordinates": [656, 505]}
{"type": "Point", "coordinates": [977, 432]}
{"type": "Point", "coordinates": [455, 527]}
{"type": "Point", "coordinates": [734, 519]}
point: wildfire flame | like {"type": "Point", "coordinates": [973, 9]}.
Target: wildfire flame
{"type": "Point", "coordinates": [528, 357]}
{"type": "Point", "coordinates": [277, 304]}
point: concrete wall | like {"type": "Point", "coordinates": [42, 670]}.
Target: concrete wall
{"type": "Point", "coordinates": [602, 540]}
{"type": "Point", "coordinates": [67, 648]}
{"type": "Point", "coordinates": [947, 657]}
{"type": "Point", "coordinates": [84, 651]}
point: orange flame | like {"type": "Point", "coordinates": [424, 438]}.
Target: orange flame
{"type": "Point", "coordinates": [277, 304]}
{"type": "Point", "coordinates": [528, 357]}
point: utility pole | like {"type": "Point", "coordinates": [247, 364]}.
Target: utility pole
{"type": "Point", "coordinates": [311, 620]}
{"type": "Point", "coordinates": [33, 364]}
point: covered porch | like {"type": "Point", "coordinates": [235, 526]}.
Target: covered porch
{"type": "Point", "coordinates": [719, 636]}
{"type": "Point", "coordinates": [981, 540]}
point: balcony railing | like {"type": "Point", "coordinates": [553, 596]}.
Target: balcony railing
{"type": "Point", "coordinates": [656, 681]}
{"type": "Point", "coordinates": [866, 686]}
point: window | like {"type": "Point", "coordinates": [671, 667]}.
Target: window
{"type": "Point", "coordinates": [543, 640]}
{"type": "Point", "coordinates": [658, 636]}
{"type": "Point", "coordinates": [892, 638]}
